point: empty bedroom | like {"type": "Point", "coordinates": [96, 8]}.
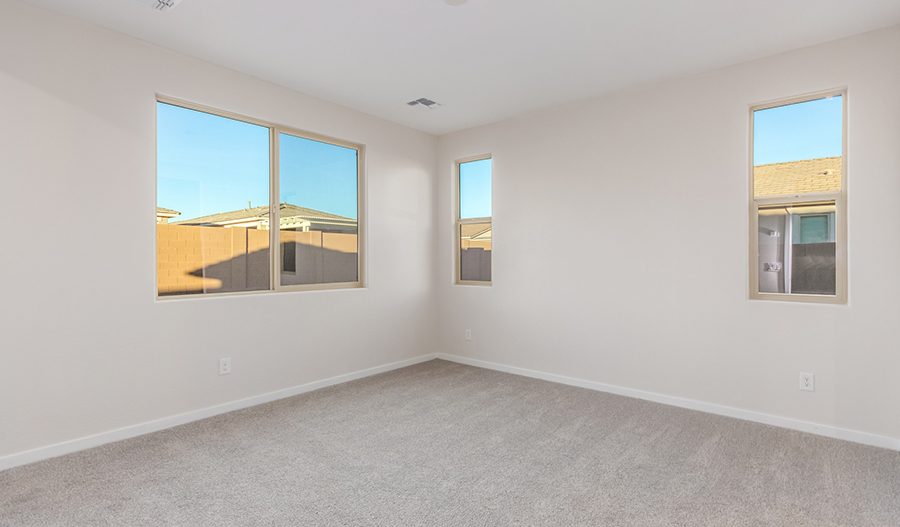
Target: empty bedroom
{"type": "Point", "coordinates": [249, 276]}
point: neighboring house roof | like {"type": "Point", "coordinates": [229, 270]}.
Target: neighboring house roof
{"type": "Point", "coordinates": [797, 177]}
{"type": "Point", "coordinates": [475, 231]}
{"type": "Point", "coordinates": [286, 210]}
{"type": "Point", "coordinates": [166, 213]}
{"type": "Point", "coordinates": [226, 217]}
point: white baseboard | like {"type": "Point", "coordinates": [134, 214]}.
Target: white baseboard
{"type": "Point", "coordinates": [747, 415]}
{"type": "Point", "coordinates": [75, 445]}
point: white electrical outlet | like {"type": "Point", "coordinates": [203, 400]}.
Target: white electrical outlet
{"type": "Point", "coordinates": [224, 366]}
{"type": "Point", "coordinates": [468, 334]}
{"type": "Point", "coordinates": [808, 382]}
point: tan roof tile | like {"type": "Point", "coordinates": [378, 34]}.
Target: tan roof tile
{"type": "Point", "coordinates": [472, 230]}
{"type": "Point", "coordinates": [160, 211]}
{"type": "Point", "coordinates": [798, 177]}
{"type": "Point", "coordinates": [260, 213]}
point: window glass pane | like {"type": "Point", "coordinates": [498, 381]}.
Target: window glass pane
{"type": "Point", "coordinates": [212, 197]}
{"type": "Point", "coordinates": [813, 229]}
{"type": "Point", "coordinates": [475, 189]}
{"type": "Point", "coordinates": [797, 148]}
{"type": "Point", "coordinates": [797, 248]}
{"type": "Point", "coordinates": [475, 252]}
{"type": "Point", "coordinates": [318, 209]}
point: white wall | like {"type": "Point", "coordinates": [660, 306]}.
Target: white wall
{"type": "Point", "coordinates": [85, 348]}
{"type": "Point", "coordinates": [646, 191]}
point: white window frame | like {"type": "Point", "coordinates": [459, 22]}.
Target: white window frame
{"type": "Point", "coordinates": [275, 256]}
{"type": "Point", "coordinates": [840, 204]}
{"type": "Point", "coordinates": [458, 223]}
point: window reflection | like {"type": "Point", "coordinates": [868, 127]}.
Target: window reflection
{"type": "Point", "coordinates": [797, 248]}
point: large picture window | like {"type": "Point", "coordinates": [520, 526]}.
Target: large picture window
{"type": "Point", "coordinates": [218, 176]}
{"type": "Point", "coordinates": [797, 210]}
{"type": "Point", "coordinates": [473, 224]}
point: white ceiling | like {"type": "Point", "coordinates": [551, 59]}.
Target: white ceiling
{"type": "Point", "coordinates": [485, 60]}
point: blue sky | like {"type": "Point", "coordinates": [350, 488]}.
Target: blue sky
{"type": "Point", "coordinates": [807, 130]}
{"type": "Point", "coordinates": [317, 175]}
{"type": "Point", "coordinates": [208, 164]}
{"type": "Point", "coordinates": [475, 189]}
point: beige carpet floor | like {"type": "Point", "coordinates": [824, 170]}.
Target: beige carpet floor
{"type": "Point", "coordinates": [442, 444]}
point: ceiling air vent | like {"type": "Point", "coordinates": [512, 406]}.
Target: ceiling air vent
{"type": "Point", "coordinates": [424, 103]}
{"type": "Point", "coordinates": [159, 5]}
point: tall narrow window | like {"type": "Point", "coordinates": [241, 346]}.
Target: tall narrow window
{"type": "Point", "coordinates": [245, 205]}
{"type": "Point", "coordinates": [798, 223]}
{"type": "Point", "coordinates": [473, 225]}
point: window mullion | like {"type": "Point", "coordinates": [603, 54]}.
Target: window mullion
{"type": "Point", "coordinates": [274, 212]}
{"type": "Point", "coordinates": [796, 198]}
{"type": "Point", "coordinates": [468, 221]}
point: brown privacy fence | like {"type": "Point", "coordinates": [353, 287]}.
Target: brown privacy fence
{"type": "Point", "coordinates": [475, 260]}
{"type": "Point", "coordinates": [192, 259]}
{"type": "Point", "coordinates": [316, 257]}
